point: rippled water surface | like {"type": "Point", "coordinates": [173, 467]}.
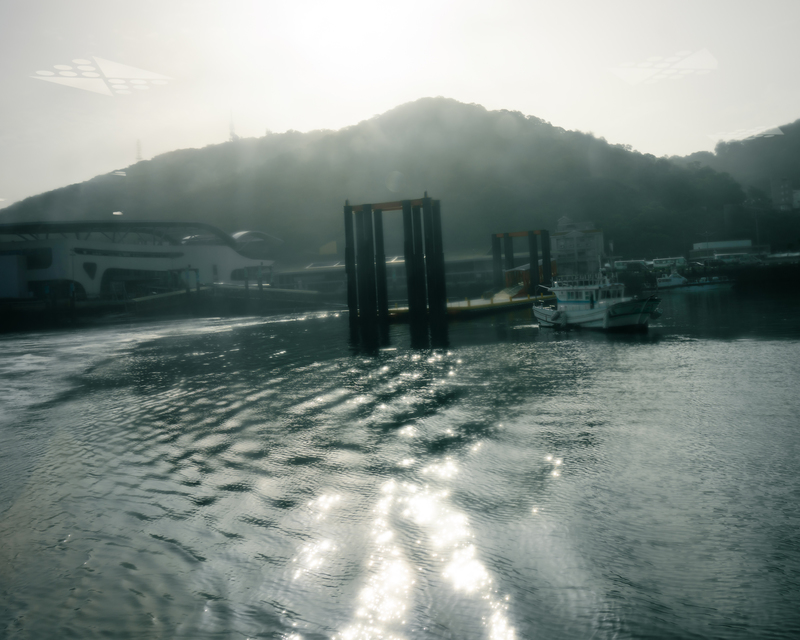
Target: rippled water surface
{"type": "Point", "coordinates": [258, 478]}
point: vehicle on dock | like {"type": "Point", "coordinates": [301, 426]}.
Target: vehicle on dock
{"type": "Point", "coordinates": [596, 302]}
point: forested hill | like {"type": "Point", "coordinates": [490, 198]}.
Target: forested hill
{"type": "Point", "coordinates": [758, 161]}
{"type": "Point", "coordinates": [493, 170]}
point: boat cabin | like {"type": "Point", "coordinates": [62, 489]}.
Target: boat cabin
{"type": "Point", "coordinates": [587, 292]}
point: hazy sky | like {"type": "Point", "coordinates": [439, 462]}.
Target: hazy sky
{"type": "Point", "coordinates": [664, 77]}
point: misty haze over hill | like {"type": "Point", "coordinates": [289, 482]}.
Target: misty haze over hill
{"type": "Point", "coordinates": [493, 170]}
{"type": "Point", "coordinates": [758, 162]}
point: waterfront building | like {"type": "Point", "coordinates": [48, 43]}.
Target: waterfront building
{"type": "Point", "coordinates": [782, 194]}
{"type": "Point", "coordinates": [705, 250]}
{"type": "Point", "coordinates": [669, 263]}
{"type": "Point", "coordinates": [577, 247]}
{"type": "Point", "coordinates": [115, 258]}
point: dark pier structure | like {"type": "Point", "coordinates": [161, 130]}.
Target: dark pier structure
{"type": "Point", "coordinates": [507, 248]}
{"type": "Point", "coordinates": [365, 264]}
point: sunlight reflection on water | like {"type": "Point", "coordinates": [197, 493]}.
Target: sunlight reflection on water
{"type": "Point", "coordinates": [228, 479]}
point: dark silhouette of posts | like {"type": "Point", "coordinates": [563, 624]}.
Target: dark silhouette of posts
{"type": "Point", "coordinates": [380, 275]}
{"type": "Point", "coordinates": [365, 265]}
{"type": "Point", "coordinates": [438, 304]}
{"type": "Point", "coordinates": [365, 269]}
{"type": "Point", "coordinates": [417, 319]}
{"type": "Point", "coordinates": [430, 264]}
{"type": "Point", "coordinates": [420, 290]}
{"type": "Point", "coordinates": [434, 267]}
{"type": "Point", "coordinates": [360, 259]}
{"type": "Point", "coordinates": [508, 240]}
{"type": "Point", "coordinates": [533, 284]}
{"type": "Point", "coordinates": [350, 271]}
{"type": "Point", "coordinates": [497, 262]}
{"type": "Point", "coordinates": [547, 271]}
{"type": "Point", "coordinates": [414, 312]}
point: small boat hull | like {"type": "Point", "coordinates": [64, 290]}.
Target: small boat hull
{"type": "Point", "coordinates": [627, 315]}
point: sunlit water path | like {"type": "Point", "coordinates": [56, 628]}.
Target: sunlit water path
{"type": "Point", "coordinates": [257, 478]}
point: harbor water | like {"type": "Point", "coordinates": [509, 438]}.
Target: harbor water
{"type": "Point", "coordinates": [260, 478]}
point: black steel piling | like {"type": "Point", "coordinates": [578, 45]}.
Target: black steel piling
{"type": "Point", "coordinates": [365, 269]}
{"type": "Point", "coordinates": [365, 265]}
{"type": "Point", "coordinates": [369, 327]}
{"type": "Point", "coordinates": [420, 290]}
{"type": "Point", "coordinates": [350, 271]}
{"type": "Point", "coordinates": [416, 314]}
{"type": "Point", "coordinates": [380, 276]}
{"type": "Point", "coordinates": [439, 309]}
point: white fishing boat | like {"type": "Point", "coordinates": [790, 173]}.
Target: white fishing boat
{"type": "Point", "coordinates": [672, 281]}
{"type": "Point", "coordinates": [596, 302]}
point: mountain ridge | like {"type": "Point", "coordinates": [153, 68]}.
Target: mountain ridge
{"type": "Point", "coordinates": [493, 170]}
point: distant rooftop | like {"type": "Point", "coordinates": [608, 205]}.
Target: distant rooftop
{"type": "Point", "coordinates": [724, 244]}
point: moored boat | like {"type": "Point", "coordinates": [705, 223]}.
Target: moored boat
{"type": "Point", "coordinates": [596, 302]}
{"type": "Point", "coordinates": [675, 281]}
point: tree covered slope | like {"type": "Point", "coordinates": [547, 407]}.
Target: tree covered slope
{"type": "Point", "coordinates": [493, 170]}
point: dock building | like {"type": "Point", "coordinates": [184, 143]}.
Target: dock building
{"type": "Point", "coordinates": [577, 247]}
{"type": "Point", "coordinates": [115, 258]}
